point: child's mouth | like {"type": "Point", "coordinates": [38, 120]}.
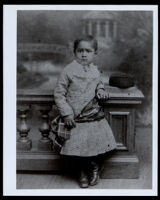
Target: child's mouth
{"type": "Point", "coordinates": [84, 60]}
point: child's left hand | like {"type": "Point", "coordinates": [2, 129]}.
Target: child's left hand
{"type": "Point", "coordinates": [102, 94]}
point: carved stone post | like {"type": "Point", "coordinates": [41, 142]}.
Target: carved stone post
{"type": "Point", "coordinates": [23, 143]}
{"type": "Point", "coordinates": [45, 143]}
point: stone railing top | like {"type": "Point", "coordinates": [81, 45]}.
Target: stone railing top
{"type": "Point", "coordinates": [132, 92]}
{"type": "Point", "coordinates": [130, 95]}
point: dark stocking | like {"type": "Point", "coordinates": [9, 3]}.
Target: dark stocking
{"type": "Point", "coordinates": [83, 167]}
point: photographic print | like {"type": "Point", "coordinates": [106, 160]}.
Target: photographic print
{"type": "Point", "coordinates": [85, 105]}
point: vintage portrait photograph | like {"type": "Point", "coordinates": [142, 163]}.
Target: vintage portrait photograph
{"type": "Point", "coordinates": [84, 111]}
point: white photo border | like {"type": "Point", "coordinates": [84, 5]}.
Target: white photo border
{"type": "Point", "coordinates": [9, 106]}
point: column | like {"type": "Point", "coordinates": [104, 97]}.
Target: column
{"type": "Point", "coordinates": [89, 28]}
{"type": "Point", "coordinates": [45, 143]}
{"type": "Point", "coordinates": [23, 143]}
{"type": "Point", "coordinates": [114, 29]}
{"type": "Point", "coordinates": [107, 29]}
{"type": "Point", "coordinates": [83, 27]}
{"type": "Point", "coordinates": [98, 28]}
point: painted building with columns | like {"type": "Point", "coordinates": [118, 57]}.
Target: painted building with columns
{"type": "Point", "coordinates": [102, 25]}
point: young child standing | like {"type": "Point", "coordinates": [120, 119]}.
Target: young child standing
{"type": "Point", "coordinates": [76, 95]}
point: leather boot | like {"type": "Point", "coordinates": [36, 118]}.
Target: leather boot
{"type": "Point", "coordinates": [83, 180]}
{"type": "Point", "coordinates": [94, 174]}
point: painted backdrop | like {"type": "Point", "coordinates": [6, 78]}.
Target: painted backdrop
{"type": "Point", "coordinates": [128, 47]}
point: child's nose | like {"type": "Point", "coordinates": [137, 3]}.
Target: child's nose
{"type": "Point", "coordinates": [84, 53]}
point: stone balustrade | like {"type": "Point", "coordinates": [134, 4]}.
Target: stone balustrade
{"type": "Point", "coordinates": [35, 141]}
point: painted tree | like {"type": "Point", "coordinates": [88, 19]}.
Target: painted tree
{"type": "Point", "coordinates": [135, 45]}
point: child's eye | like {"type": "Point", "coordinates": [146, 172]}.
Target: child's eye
{"type": "Point", "coordinates": [84, 50]}
{"type": "Point", "coordinates": [89, 51]}
{"type": "Point", "coordinates": [80, 50]}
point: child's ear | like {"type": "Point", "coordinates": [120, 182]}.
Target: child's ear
{"type": "Point", "coordinates": [96, 52]}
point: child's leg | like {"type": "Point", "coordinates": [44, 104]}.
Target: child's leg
{"type": "Point", "coordinates": [83, 167]}
{"type": "Point", "coordinates": [77, 165]}
{"type": "Point", "coordinates": [100, 160]}
{"type": "Point", "coordinates": [95, 166]}
{"type": "Point", "coordinates": [93, 170]}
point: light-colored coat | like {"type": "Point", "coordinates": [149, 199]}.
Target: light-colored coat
{"type": "Point", "coordinates": [76, 87]}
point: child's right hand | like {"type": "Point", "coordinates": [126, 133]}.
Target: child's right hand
{"type": "Point", "coordinates": [69, 121]}
{"type": "Point", "coordinates": [102, 94]}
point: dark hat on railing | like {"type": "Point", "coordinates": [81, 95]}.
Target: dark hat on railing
{"type": "Point", "coordinates": [121, 80]}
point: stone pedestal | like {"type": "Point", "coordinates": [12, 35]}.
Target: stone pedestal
{"type": "Point", "coordinates": [120, 166]}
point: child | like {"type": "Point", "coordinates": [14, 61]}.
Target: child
{"type": "Point", "coordinates": [76, 95]}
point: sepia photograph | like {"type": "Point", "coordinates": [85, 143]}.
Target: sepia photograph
{"type": "Point", "coordinates": [84, 100]}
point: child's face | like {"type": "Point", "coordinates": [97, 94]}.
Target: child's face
{"type": "Point", "coordinates": [85, 52]}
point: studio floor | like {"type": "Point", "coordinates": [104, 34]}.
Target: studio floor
{"type": "Point", "coordinates": [59, 181]}
{"type": "Point", "coordinates": [67, 181]}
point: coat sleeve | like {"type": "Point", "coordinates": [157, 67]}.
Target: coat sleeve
{"type": "Point", "coordinates": [100, 84]}
{"type": "Point", "coordinates": [60, 93]}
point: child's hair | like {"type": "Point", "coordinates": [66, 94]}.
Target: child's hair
{"type": "Point", "coordinates": [87, 38]}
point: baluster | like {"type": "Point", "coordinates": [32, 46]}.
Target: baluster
{"type": "Point", "coordinates": [23, 143]}
{"type": "Point", "coordinates": [45, 143]}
